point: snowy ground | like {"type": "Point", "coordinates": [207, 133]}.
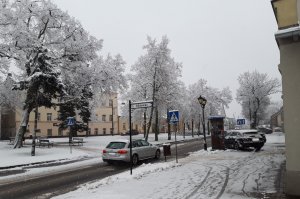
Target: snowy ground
{"type": "Point", "coordinates": [203, 174]}
{"type": "Point", "coordinates": [17, 164]}
{"type": "Point", "coordinates": [61, 151]}
{"type": "Point", "coordinates": [211, 174]}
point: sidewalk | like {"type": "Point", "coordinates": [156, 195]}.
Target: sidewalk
{"type": "Point", "coordinates": [217, 174]}
{"type": "Point", "coordinates": [203, 174]}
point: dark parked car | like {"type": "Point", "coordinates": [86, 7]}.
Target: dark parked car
{"type": "Point", "coordinates": [242, 139]}
{"type": "Point", "coordinates": [265, 130]}
{"type": "Point", "coordinates": [133, 132]}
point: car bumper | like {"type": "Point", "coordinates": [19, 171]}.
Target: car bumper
{"type": "Point", "coordinates": [123, 158]}
{"type": "Point", "coordinates": [252, 144]}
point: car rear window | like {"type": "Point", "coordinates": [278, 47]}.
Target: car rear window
{"type": "Point", "coordinates": [250, 133]}
{"type": "Point", "coordinates": [116, 145]}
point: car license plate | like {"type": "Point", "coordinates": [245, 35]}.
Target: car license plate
{"type": "Point", "coordinates": [112, 154]}
{"type": "Point", "coordinates": [255, 139]}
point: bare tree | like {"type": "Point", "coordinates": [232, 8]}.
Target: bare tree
{"type": "Point", "coordinates": [254, 94]}
{"type": "Point", "coordinates": [156, 77]}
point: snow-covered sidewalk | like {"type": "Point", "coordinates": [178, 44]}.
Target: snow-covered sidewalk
{"type": "Point", "coordinates": [92, 148]}
{"type": "Point", "coordinates": [203, 174]}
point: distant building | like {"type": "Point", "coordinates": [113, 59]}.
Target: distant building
{"type": "Point", "coordinates": [277, 120]}
{"type": "Point", "coordinates": [287, 13]}
{"type": "Point", "coordinates": [106, 120]}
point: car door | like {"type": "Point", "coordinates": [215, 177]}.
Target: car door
{"type": "Point", "coordinates": [140, 149]}
{"type": "Point", "coordinates": [232, 139]}
{"type": "Point", "coordinates": [149, 151]}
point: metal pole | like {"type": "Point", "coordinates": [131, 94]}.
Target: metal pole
{"type": "Point", "coordinates": [176, 144]}
{"type": "Point", "coordinates": [204, 133]}
{"type": "Point", "coordinates": [169, 127]}
{"type": "Point", "coordinates": [112, 117]}
{"type": "Point", "coordinates": [130, 135]}
{"type": "Point", "coordinates": [145, 123]}
{"type": "Point", "coordinates": [184, 130]}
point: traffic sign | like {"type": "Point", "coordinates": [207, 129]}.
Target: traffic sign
{"type": "Point", "coordinates": [173, 116]}
{"type": "Point", "coordinates": [71, 121]}
{"type": "Point", "coordinates": [144, 105]}
{"type": "Point", "coordinates": [240, 121]}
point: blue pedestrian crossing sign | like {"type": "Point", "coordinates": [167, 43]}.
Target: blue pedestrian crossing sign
{"type": "Point", "coordinates": [71, 121]}
{"type": "Point", "coordinates": [173, 116]}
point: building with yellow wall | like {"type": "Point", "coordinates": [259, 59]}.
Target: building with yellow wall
{"type": "Point", "coordinates": [287, 13]}
{"type": "Point", "coordinates": [105, 121]}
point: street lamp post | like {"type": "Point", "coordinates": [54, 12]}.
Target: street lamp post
{"type": "Point", "coordinates": [202, 102]}
{"type": "Point", "coordinates": [112, 117]}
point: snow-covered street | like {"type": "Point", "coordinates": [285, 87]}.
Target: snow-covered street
{"type": "Point", "coordinates": [203, 174]}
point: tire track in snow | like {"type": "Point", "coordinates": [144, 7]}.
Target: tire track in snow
{"type": "Point", "coordinates": [225, 183]}
{"type": "Point", "coordinates": [213, 176]}
{"type": "Point", "coordinates": [201, 184]}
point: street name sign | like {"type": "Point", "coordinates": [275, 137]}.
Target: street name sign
{"type": "Point", "coordinates": [141, 104]}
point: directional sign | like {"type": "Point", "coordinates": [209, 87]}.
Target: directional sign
{"type": "Point", "coordinates": [71, 121]}
{"type": "Point", "coordinates": [142, 104]}
{"type": "Point", "coordinates": [173, 116]}
{"type": "Point", "coordinates": [240, 122]}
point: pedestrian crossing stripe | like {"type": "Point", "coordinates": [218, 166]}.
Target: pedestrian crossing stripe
{"type": "Point", "coordinates": [173, 118]}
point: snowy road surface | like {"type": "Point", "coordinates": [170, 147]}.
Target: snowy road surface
{"type": "Point", "coordinates": [203, 174]}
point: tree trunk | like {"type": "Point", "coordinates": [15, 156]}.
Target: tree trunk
{"type": "Point", "coordinates": [22, 129]}
{"type": "Point", "coordinates": [87, 130]}
{"type": "Point", "coordinates": [149, 124]}
{"type": "Point", "coordinates": [152, 107]}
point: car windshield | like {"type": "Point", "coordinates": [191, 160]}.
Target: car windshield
{"type": "Point", "coordinates": [116, 145]}
{"type": "Point", "coordinates": [250, 133]}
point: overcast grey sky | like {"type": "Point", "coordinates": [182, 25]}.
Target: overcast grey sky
{"type": "Point", "coordinates": [215, 40]}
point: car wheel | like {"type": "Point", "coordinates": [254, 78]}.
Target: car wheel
{"type": "Point", "coordinates": [135, 159]}
{"type": "Point", "coordinates": [236, 146]}
{"type": "Point", "coordinates": [258, 148]}
{"type": "Point", "coordinates": [157, 154]}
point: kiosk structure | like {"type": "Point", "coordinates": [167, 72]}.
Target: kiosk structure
{"type": "Point", "coordinates": [217, 132]}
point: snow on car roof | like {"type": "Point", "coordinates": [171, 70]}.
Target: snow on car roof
{"type": "Point", "coordinates": [246, 131]}
{"type": "Point", "coordinates": [120, 140]}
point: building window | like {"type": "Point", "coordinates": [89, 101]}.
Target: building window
{"type": "Point", "coordinates": [124, 126]}
{"type": "Point", "coordinates": [60, 132]}
{"type": "Point", "coordinates": [103, 118]}
{"type": "Point", "coordinates": [96, 131]}
{"type": "Point", "coordinates": [111, 132]}
{"type": "Point", "coordinates": [110, 102]}
{"type": "Point", "coordinates": [39, 116]}
{"type": "Point", "coordinates": [136, 127]}
{"type": "Point", "coordinates": [49, 132]}
{"type": "Point", "coordinates": [104, 131]}
{"type": "Point", "coordinates": [49, 116]}
{"type": "Point", "coordinates": [110, 118]}
{"type": "Point", "coordinates": [89, 131]}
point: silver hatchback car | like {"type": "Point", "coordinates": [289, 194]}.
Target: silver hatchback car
{"type": "Point", "coordinates": [119, 150]}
